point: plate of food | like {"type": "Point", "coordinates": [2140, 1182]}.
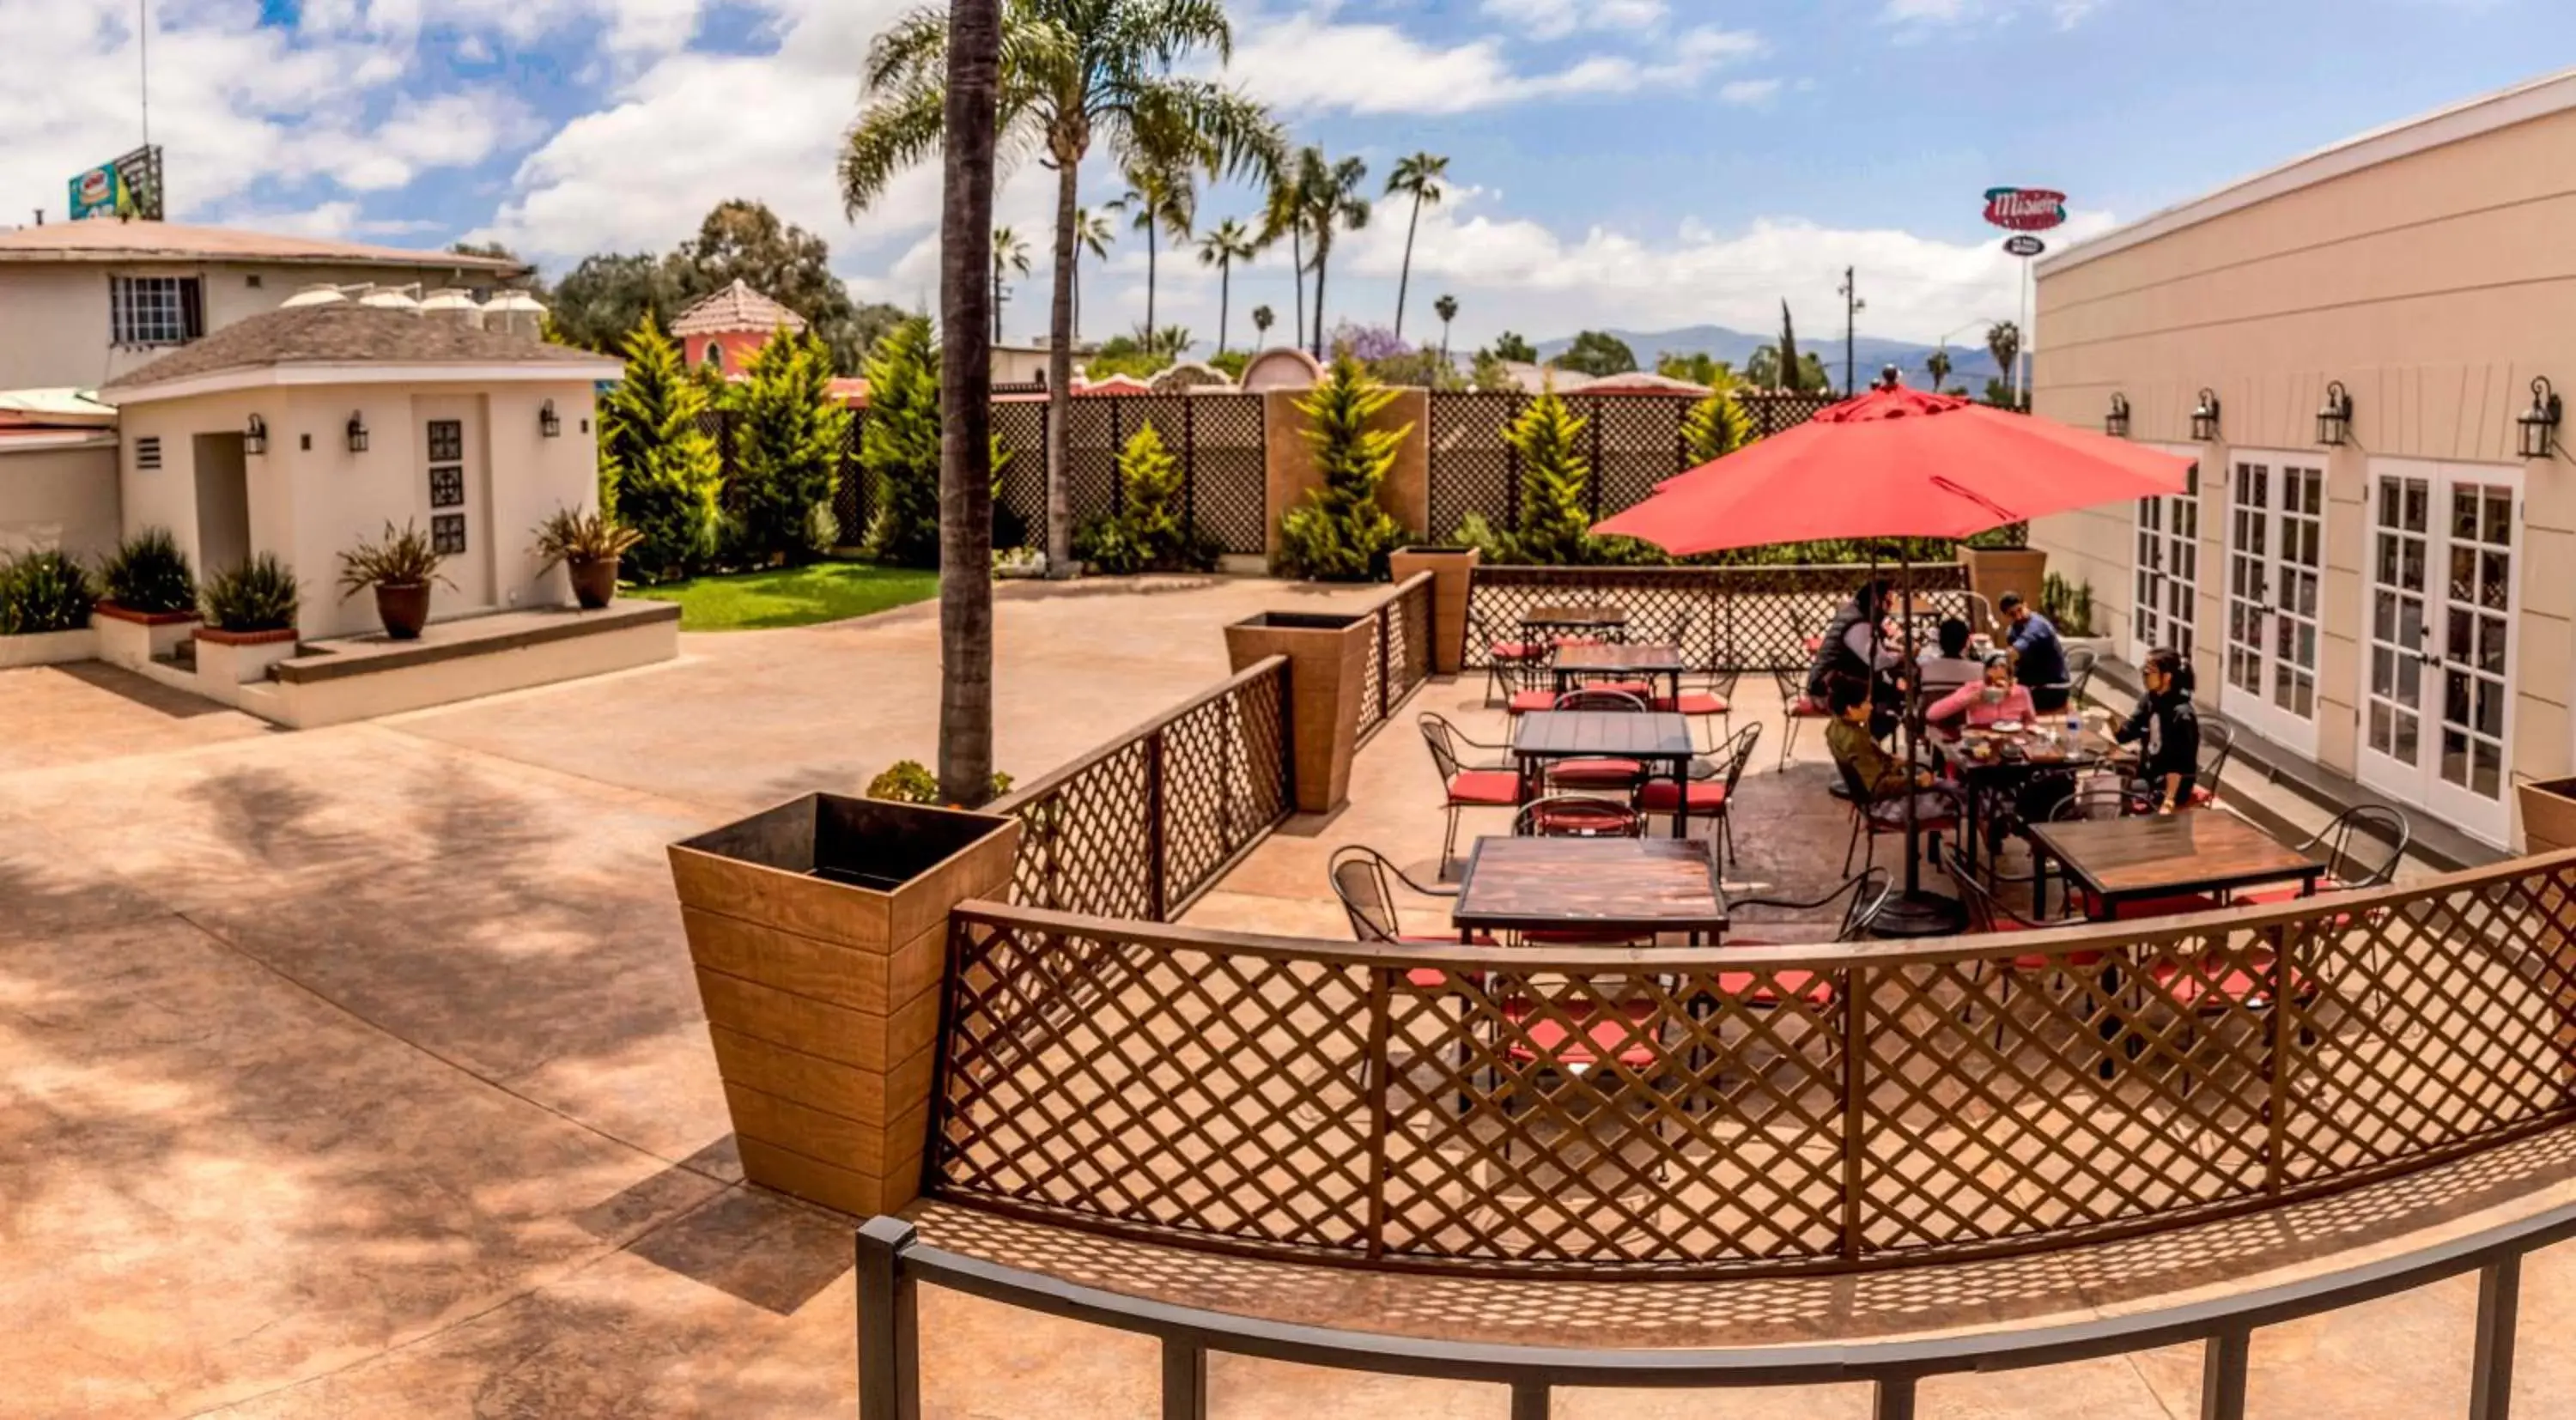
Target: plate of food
{"type": "Point", "coordinates": [2006, 727]}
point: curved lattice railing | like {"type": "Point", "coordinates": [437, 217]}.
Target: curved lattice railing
{"type": "Point", "coordinates": [1740, 1108]}
{"type": "Point", "coordinates": [1724, 618]}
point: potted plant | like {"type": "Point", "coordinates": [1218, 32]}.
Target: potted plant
{"type": "Point", "coordinates": [400, 568]}
{"type": "Point", "coordinates": [45, 602]}
{"type": "Point", "coordinates": [150, 597]}
{"type": "Point", "coordinates": [588, 545]}
{"type": "Point", "coordinates": [250, 621]}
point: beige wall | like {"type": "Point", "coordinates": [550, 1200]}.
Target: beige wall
{"type": "Point", "coordinates": [56, 313]}
{"type": "Point", "coordinates": [309, 504]}
{"type": "Point", "coordinates": [58, 498]}
{"type": "Point", "coordinates": [1289, 461]}
{"type": "Point", "coordinates": [2435, 286]}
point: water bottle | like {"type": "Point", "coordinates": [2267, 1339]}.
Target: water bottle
{"type": "Point", "coordinates": [2074, 726]}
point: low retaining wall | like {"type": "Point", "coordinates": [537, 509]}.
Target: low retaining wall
{"type": "Point", "coordinates": [49, 648]}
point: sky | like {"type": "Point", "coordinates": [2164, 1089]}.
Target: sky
{"type": "Point", "coordinates": [1638, 164]}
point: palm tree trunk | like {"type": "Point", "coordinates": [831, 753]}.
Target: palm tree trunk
{"type": "Point", "coordinates": [1297, 264]}
{"type": "Point", "coordinates": [1224, 300]}
{"type": "Point", "coordinates": [1077, 300]}
{"type": "Point", "coordinates": [997, 302]}
{"type": "Point", "coordinates": [966, 406]}
{"type": "Point", "coordinates": [1059, 430]}
{"type": "Point", "coordinates": [1323, 254]}
{"type": "Point", "coordinates": [1404, 282]}
{"type": "Point", "coordinates": [1149, 286]}
{"type": "Point", "coordinates": [1444, 344]}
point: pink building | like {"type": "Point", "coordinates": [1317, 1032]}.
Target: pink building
{"type": "Point", "coordinates": [732, 324]}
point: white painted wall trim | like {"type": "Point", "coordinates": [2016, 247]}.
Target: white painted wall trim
{"type": "Point", "coordinates": [366, 373]}
{"type": "Point", "coordinates": [2537, 98]}
{"type": "Point", "coordinates": [64, 439]}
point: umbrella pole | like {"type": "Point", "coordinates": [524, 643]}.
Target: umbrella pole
{"type": "Point", "coordinates": [1914, 912]}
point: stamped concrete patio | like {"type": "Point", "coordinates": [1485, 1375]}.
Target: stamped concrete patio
{"type": "Point", "coordinates": [359, 1072]}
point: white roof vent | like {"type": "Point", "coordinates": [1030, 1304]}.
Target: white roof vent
{"type": "Point", "coordinates": [454, 304]}
{"type": "Point", "coordinates": [516, 312]}
{"type": "Point", "coordinates": [392, 298]}
{"type": "Point", "coordinates": [322, 295]}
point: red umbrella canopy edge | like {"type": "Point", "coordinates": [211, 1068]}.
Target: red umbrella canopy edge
{"type": "Point", "coordinates": [1893, 463]}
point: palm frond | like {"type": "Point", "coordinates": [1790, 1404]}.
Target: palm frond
{"type": "Point", "coordinates": [1167, 31]}
{"type": "Point", "coordinates": [903, 127]}
{"type": "Point", "coordinates": [908, 52]}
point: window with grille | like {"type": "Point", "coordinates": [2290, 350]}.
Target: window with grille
{"type": "Point", "coordinates": [2168, 569]}
{"type": "Point", "coordinates": [155, 310]}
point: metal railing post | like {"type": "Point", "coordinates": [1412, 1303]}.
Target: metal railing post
{"type": "Point", "coordinates": [1157, 842]}
{"type": "Point", "coordinates": [889, 1327]}
{"type": "Point", "coordinates": [1855, 1104]}
{"type": "Point", "coordinates": [1385, 686]}
{"type": "Point", "coordinates": [1185, 1387]}
{"type": "Point", "coordinates": [2499, 1308]}
{"type": "Point", "coordinates": [2222, 1374]}
{"type": "Point", "coordinates": [1530, 1400]}
{"type": "Point", "coordinates": [1894, 1399]}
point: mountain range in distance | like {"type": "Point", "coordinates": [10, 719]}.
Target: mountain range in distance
{"type": "Point", "coordinates": [1970, 365]}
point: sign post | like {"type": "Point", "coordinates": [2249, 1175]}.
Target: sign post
{"type": "Point", "coordinates": [2023, 211]}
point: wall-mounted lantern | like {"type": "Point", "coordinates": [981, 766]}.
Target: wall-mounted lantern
{"type": "Point", "coordinates": [2539, 424]}
{"type": "Point", "coordinates": [255, 436]}
{"type": "Point", "coordinates": [2204, 417]}
{"type": "Point", "coordinates": [2116, 423]}
{"type": "Point", "coordinates": [357, 433]}
{"type": "Point", "coordinates": [2334, 417]}
{"type": "Point", "coordinates": [549, 423]}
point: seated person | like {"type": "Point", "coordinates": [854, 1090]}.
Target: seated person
{"type": "Point", "coordinates": [1857, 650]}
{"type": "Point", "coordinates": [1946, 665]}
{"type": "Point", "coordinates": [2169, 758]}
{"type": "Point", "coordinates": [2039, 658]}
{"type": "Point", "coordinates": [1881, 778]}
{"type": "Point", "coordinates": [1981, 703]}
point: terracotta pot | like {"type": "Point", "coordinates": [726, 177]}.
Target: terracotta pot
{"type": "Point", "coordinates": [403, 607]}
{"type": "Point", "coordinates": [594, 581]}
{"type": "Point", "coordinates": [1327, 667]}
{"type": "Point", "coordinates": [1453, 581]}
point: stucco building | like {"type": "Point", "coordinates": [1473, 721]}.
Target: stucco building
{"type": "Point", "coordinates": [2369, 573]}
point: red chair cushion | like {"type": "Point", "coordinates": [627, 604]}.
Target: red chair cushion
{"type": "Point", "coordinates": [1659, 796]}
{"type": "Point", "coordinates": [1516, 650]}
{"type": "Point", "coordinates": [1494, 787]}
{"type": "Point", "coordinates": [1432, 978]}
{"type": "Point", "coordinates": [1597, 771]}
{"type": "Point", "coordinates": [1694, 702]}
{"type": "Point", "coordinates": [2215, 983]}
{"type": "Point", "coordinates": [1524, 702]}
{"type": "Point", "coordinates": [2286, 892]}
{"type": "Point", "coordinates": [2140, 908]}
{"type": "Point", "coordinates": [1758, 989]}
{"type": "Point", "coordinates": [1569, 822]}
{"type": "Point", "coordinates": [1630, 1040]}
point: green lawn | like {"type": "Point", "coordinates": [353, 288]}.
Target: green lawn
{"type": "Point", "coordinates": [792, 596]}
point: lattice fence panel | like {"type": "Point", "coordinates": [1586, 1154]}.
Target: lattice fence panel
{"type": "Point", "coordinates": [1723, 618]}
{"type": "Point", "coordinates": [1225, 784]}
{"type": "Point", "coordinates": [1472, 469]}
{"type": "Point", "coordinates": [1229, 471]}
{"type": "Point", "coordinates": [1020, 427]}
{"type": "Point", "coordinates": [1633, 443]}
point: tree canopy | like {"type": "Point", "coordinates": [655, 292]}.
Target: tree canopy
{"type": "Point", "coordinates": [1597, 352]}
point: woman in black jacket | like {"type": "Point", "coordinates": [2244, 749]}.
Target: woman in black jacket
{"type": "Point", "coordinates": [2169, 758]}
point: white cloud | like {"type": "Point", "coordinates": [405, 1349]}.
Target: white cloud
{"type": "Point", "coordinates": [1304, 62]}
{"type": "Point", "coordinates": [1751, 93]}
{"type": "Point", "coordinates": [1555, 19]}
{"type": "Point", "coordinates": [1927, 14]}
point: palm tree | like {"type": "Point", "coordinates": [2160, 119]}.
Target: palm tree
{"type": "Point", "coordinates": [1160, 198]}
{"type": "Point", "coordinates": [1283, 214]}
{"type": "Point", "coordinates": [1937, 365]}
{"type": "Point", "coordinates": [971, 102]}
{"type": "Point", "coordinates": [2003, 341]}
{"type": "Point", "coordinates": [1418, 176]}
{"type": "Point", "coordinates": [1073, 72]}
{"type": "Point", "coordinates": [1229, 243]}
{"type": "Point", "coordinates": [1091, 233]}
{"type": "Point", "coordinates": [1262, 319]}
{"type": "Point", "coordinates": [1010, 253]}
{"type": "Point", "coordinates": [1447, 309]}
{"type": "Point", "coordinates": [1331, 196]}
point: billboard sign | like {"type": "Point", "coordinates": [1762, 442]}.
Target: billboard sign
{"type": "Point", "coordinates": [128, 187]}
{"type": "Point", "coordinates": [2024, 245]}
{"type": "Point", "coordinates": [2025, 209]}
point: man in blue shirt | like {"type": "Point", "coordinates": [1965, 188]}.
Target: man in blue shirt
{"type": "Point", "coordinates": [2039, 661]}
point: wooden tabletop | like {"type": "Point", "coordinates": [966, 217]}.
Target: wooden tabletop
{"type": "Point", "coordinates": [1572, 614]}
{"type": "Point", "coordinates": [1610, 734]}
{"type": "Point", "coordinates": [2198, 850]}
{"type": "Point", "coordinates": [1640, 884]}
{"type": "Point", "coordinates": [2090, 750]}
{"type": "Point", "coordinates": [1612, 658]}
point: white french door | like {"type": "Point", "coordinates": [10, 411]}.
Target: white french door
{"type": "Point", "coordinates": [2437, 681]}
{"type": "Point", "coordinates": [2276, 505]}
{"type": "Point", "coordinates": [2163, 610]}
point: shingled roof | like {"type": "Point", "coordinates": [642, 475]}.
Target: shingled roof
{"type": "Point", "coordinates": [736, 307]}
{"type": "Point", "coordinates": [349, 334]}
{"type": "Point", "coordinates": [104, 239]}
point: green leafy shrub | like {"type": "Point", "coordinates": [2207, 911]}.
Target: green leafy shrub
{"type": "Point", "coordinates": [2067, 605]}
{"type": "Point", "coordinates": [44, 591]}
{"type": "Point", "coordinates": [1717, 426]}
{"type": "Point", "coordinates": [1340, 533]}
{"type": "Point", "coordinates": [258, 595]}
{"type": "Point", "coordinates": [148, 573]}
{"type": "Point", "coordinates": [909, 781]}
{"type": "Point", "coordinates": [899, 446]}
{"type": "Point", "coordinates": [659, 471]}
{"type": "Point", "coordinates": [787, 439]}
{"type": "Point", "coordinates": [1147, 534]}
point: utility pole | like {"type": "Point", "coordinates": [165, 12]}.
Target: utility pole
{"type": "Point", "coordinates": [1853, 305]}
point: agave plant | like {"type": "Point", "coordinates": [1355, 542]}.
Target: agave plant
{"type": "Point", "coordinates": [571, 535]}
{"type": "Point", "coordinates": [258, 595]}
{"type": "Point", "coordinates": [398, 559]}
{"type": "Point", "coordinates": [43, 591]}
{"type": "Point", "coordinates": [148, 573]}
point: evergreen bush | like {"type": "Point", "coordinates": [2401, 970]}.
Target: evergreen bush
{"type": "Point", "coordinates": [659, 471]}
{"type": "Point", "coordinates": [899, 446]}
{"type": "Point", "coordinates": [1148, 533]}
{"type": "Point", "coordinates": [1340, 533]}
{"type": "Point", "coordinates": [788, 433]}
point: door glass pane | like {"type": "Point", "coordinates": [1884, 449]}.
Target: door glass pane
{"type": "Point", "coordinates": [2498, 527]}
{"type": "Point", "coordinates": [2486, 776]}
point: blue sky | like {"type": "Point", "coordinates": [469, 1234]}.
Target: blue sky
{"type": "Point", "coordinates": [1641, 163]}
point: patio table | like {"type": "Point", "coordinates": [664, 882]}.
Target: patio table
{"type": "Point", "coordinates": [1659, 740]}
{"type": "Point", "coordinates": [1595, 619]}
{"type": "Point", "coordinates": [1620, 660]}
{"type": "Point", "coordinates": [2014, 757]}
{"type": "Point", "coordinates": [2166, 855]}
{"type": "Point", "coordinates": [1639, 885]}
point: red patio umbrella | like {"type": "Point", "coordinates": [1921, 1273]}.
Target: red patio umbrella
{"type": "Point", "coordinates": [1896, 463]}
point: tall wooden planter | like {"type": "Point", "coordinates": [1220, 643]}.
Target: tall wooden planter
{"type": "Point", "coordinates": [819, 933]}
{"type": "Point", "coordinates": [2548, 815]}
{"type": "Point", "coordinates": [1327, 668]}
{"type": "Point", "coordinates": [1993, 571]}
{"type": "Point", "coordinates": [1453, 577]}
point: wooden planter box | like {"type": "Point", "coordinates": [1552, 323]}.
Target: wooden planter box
{"type": "Point", "coordinates": [1327, 668]}
{"type": "Point", "coordinates": [1453, 577]}
{"type": "Point", "coordinates": [2548, 814]}
{"type": "Point", "coordinates": [1995, 571]}
{"type": "Point", "coordinates": [134, 639]}
{"type": "Point", "coordinates": [819, 933]}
